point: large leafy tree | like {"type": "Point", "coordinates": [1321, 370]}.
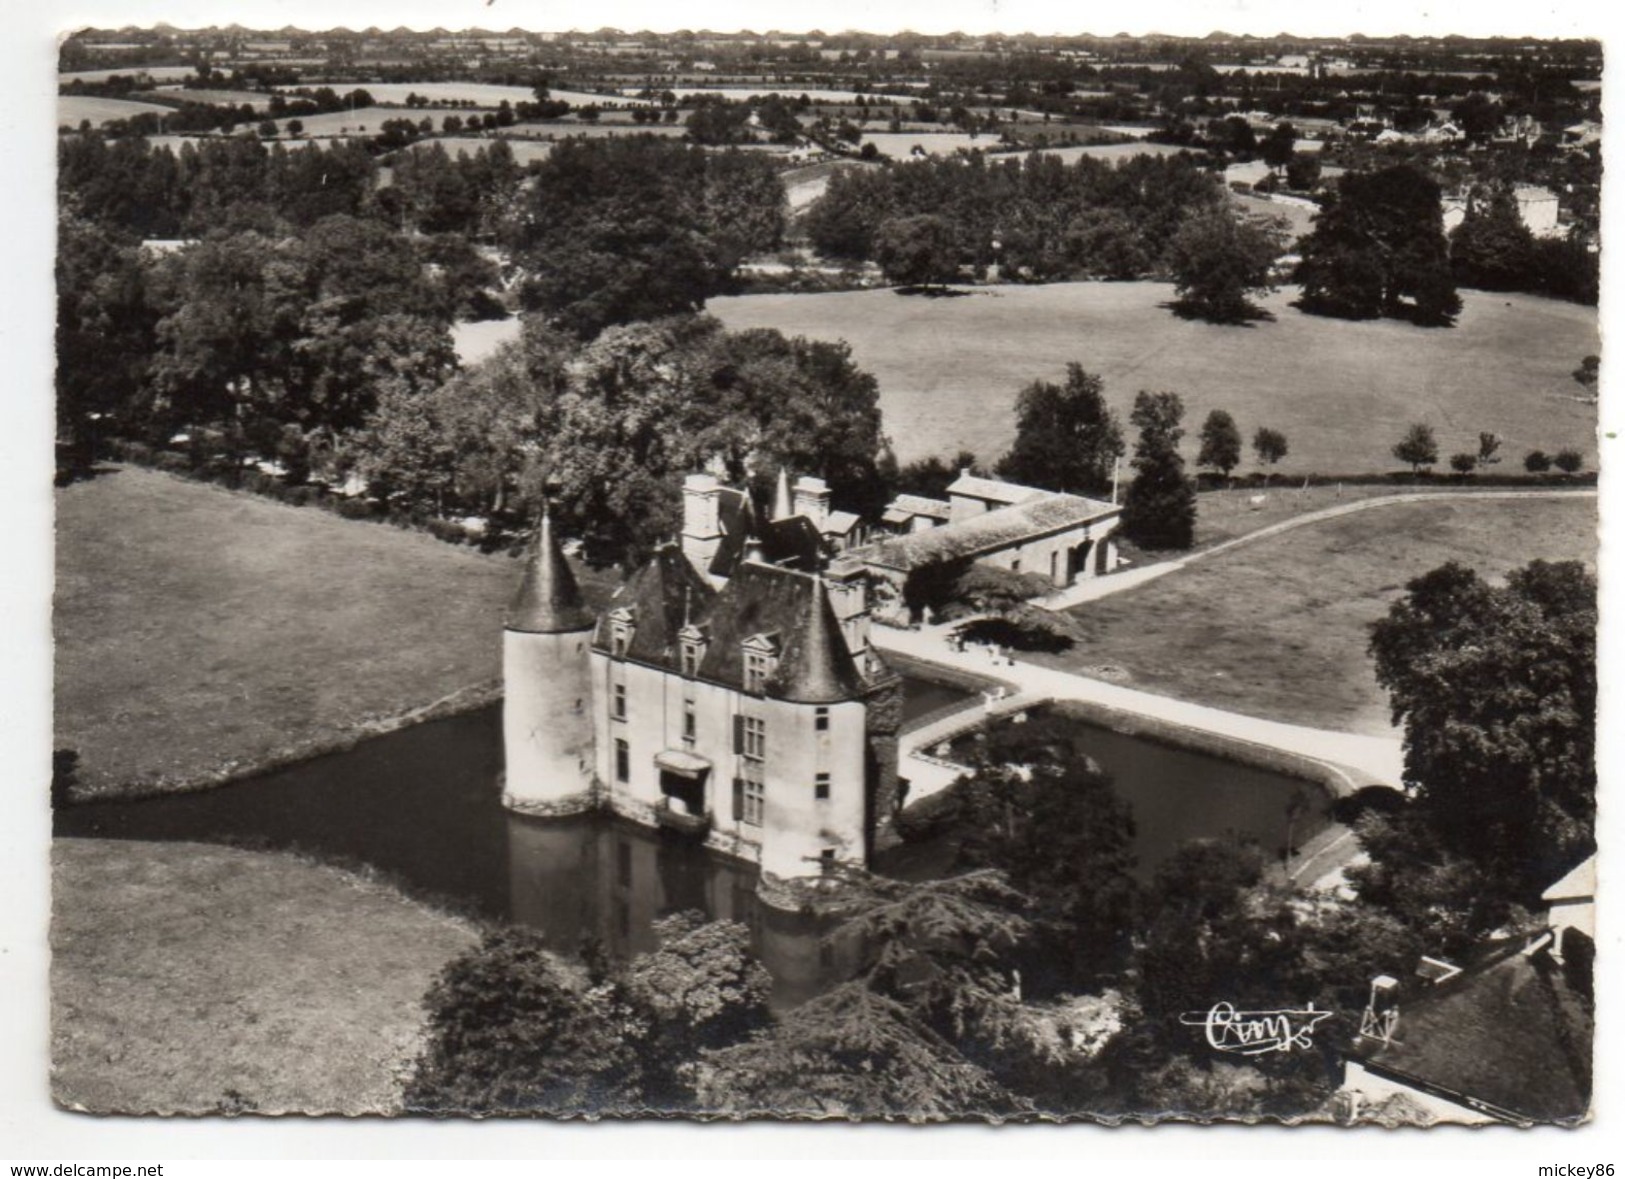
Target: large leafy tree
{"type": "Point", "coordinates": [1378, 248]}
{"type": "Point", "coordinates": [852, 1052]}
{"type": "Point", "coordinates": [619, 229]}
{"type": "Point", "coordinates": [931, 1005]}
{"type": "Point", "coordinates": [1496, 688]}
{"type": "Point", "coordinates": [1218, 259]}
{"type": "Point", "coordinates": [104, 331]}
{"type": "Point", "coordinates": [917, 251]}
{"type": "Point", "coordinates": [1065, 838]}
{"type": "Point", "coordinates": [1221, 443]}
{"type": "Point", "coordinates": [1067, 438]}
{"type": "Point", "coordinates": [1159, 510]}
{"type": "Point", "coordinates": [511, 1030]}
{"type": "Point", "coordinates": [701, 989]}
{"type": "Point", "coordinates": [1492, 249]}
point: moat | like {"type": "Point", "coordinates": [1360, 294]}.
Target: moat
{"type": "Point", "coordinates": [423, 808]}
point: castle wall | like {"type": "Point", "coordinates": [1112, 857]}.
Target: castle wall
{"type": "Point", "coordinates": [547, 721]}
{"type": "Point", "coordinates": [796, 826]}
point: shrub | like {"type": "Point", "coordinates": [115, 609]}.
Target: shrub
{"type": "Point", "coordinates": [446, 530]}
{"type": "Point", "coordinates": [1569, 461]}
{"type": "Point", "coordinates": [262, 484]}
{"type": "Point", "coordinates": [355, 509]}
{"type": "Point", "coordinates": [1026, 630]}
{"type": "Point", "coordinates": [1537, 462]}
{"type": "Point", "coordinates": [173, 461]}
{"type": "Point", "coordinates": [1463, 463]}
{"type": "Point", "coordinates": [509, 1029]}
{"type": "Point", "coordinates": [135, 452]}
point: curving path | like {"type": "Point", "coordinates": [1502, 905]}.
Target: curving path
{"type": "Point", "coordinates": [1112, 583]}
{"type": "Point", "coordinates": [1359, 760]}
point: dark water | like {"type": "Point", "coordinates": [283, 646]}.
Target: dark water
{"type": "Point", "coordinates": [424, 806]}
{"type": "Point", "coordinates": [1176, 795]}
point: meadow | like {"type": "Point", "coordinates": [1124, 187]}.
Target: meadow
{"type": "Point", "coordinates": [253, 98]}
{"type": "Point", "coordinates": [74, 109]}
{"type": "Point", "coordinates": [193, 979]}
{"type": "Point", "coordinates": [1277, 628]}
{"type": "Point", "coordinates": [202, 632]}
{"type": "Point", "coordinates": [482, 94]}
{"type": "Point", "coordinates": [1343, 392]}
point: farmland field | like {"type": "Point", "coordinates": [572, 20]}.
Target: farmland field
{"type": "Point", "coordinates": [251, 98]}
{"type": "Point", "coordinates": [569, 129]}
{"type": "Point", "coordinates": [481, 94]}
{"type": "Point", "coordinates": [365, 120]}
{"type": "Point", "coordinates": [156, 73]}
{"type": "Point", "coordinates": [1342, 392]}
{"type": "Point", "coordinates": [1278, 628]}
{"type": "Point", "coordinates": [73, 109]}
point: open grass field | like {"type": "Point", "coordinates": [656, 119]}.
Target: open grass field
{"type": "Point", "coordinates": [202, 632]}
{"type": "Point", "coordinates": [156, 73]}
{"type": "Point", "coordinates": [74, 109]}
{"type": "Point", "coordinates": [364, 120]}
{"type": "Point", "coordinates": [525, 151]}
{"type": "Point", "coordinates": [186, 978]}
{"type": "Point", "coordinates": [251, 98]}
{"type": "Point", "coordinates": [1278, 628]}
{"type": "Point", "coordinates": [483, 95]}
{"type": "Point", "coordinates": [1342, 392]}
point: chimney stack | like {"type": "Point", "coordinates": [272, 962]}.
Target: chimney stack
{"type": "Point", "coordinates": [812, 500]}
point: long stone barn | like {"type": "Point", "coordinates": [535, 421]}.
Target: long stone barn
{"type": "Point", "coordinates": [1065, 538]}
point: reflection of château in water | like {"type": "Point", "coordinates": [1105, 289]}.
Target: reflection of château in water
{"type": "Point", "coordinates": [729, 696]}
{"type": "Point", "coordinates": [605, 879]}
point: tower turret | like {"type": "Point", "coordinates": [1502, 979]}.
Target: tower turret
{"type": "Point", "coordinates": [547, 727]}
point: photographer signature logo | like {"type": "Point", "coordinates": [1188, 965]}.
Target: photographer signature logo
{"type": "Point", "coordinates": [1253, 1033]}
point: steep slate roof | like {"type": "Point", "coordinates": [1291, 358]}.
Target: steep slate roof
{"type": "Point", "coordinates": [815, 666]}
{"type": "Point", "coordinates": [788, 607]}
{"type": "Point", "coordinates": [548, 600]}
{"type": "Point", "coordinates": [986, 533]}
{"type": "Point", "coordinates": [659, 595]}
{"type": "Point", "coordinates": [1511, 1033]}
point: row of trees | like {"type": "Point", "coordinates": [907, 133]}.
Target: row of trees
{"type": "Point", "coordinates": [1035, 216]}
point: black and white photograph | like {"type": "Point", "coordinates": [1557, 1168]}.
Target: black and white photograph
{"type": "Point", "coordinates": [830, 569]}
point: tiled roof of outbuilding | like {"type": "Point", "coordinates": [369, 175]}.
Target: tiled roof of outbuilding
{"type": "Point", "coordinates": [987, 533]}
{"type": "Point", "coordinates": [995, 490]}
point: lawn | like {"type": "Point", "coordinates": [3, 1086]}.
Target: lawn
{"type": "Point", "coordinates": [1278, 628]}
{"type": "Point", "coordinates": [1342, 392]}
{"type": "Point", "coordinates": [201, 632]}
{"type": "Point", "coordinates": [186, 978]}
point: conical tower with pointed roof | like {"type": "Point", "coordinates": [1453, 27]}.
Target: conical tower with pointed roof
{"type": "Point", "coordinates": [547, 686]}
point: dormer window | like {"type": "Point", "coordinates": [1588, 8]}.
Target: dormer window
{"type": "Point", "coordinates": [691, 642]}
{"type": "Point", "coordinates": [761, 661]}
{"type": "Point", "coordinates": [621, 626]}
